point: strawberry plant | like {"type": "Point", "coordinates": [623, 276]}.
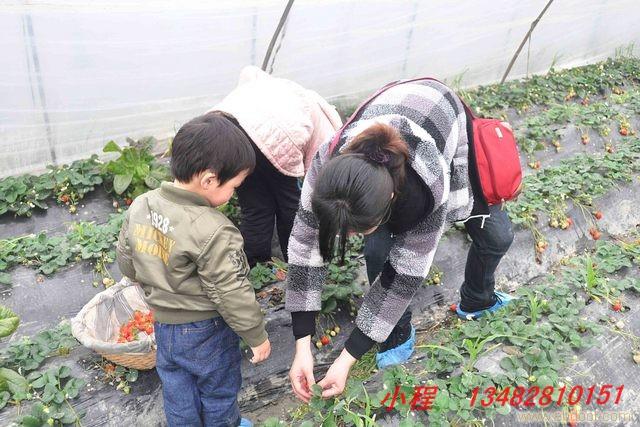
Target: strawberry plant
{"type": "Point", "coordinates": [355, 407]}
{"type": "Point", "coordinates": [577, 180]}
{"type": "Point", "coordinates": [231, 210]}
{"type": "Point", "coordinates": [51, 389]}
{"type": "Point", "coordinates": [544, 128]}
{"type": "Point", "coordinates": [261, 275]}
{"type": "Point", "coordinates": [136, 170]}
{"type": "Point", "coordinates": [131, 174]}
{"type": "Point", "coordinates": [342, 284]}
{"type": "Point", "coordinates": [20, 195]}
{"type": "Point", "coordinates": [67, 183]}
{"type": "Point", "coordinates": [96, 243]}
{"type": "Point", "coordinates": [56, 384]}
{"type": "Point", "coordinates": [435, 276]}
{"type": "Point", "coordinates": [45, 254]}
{"type": "Point", "coordinates": [73, 182]}
{"type": "Point", "coordinates": [118, 376]}
{"type": "Point", "coordinates": [629, 99]}
{"type": "Point", "coordinates": [9, 322]}
{"type": "Point", "coordinates": [29, 353]}
{"type": "Point", "coordinates": [557, 86]}
{"type": "Point", "coordinates": [42, 415]}
{"type": "Point", "coordinates": [86, 241]}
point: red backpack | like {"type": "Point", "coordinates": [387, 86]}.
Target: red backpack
{"type": "Point", "coordinates": [495, 148]}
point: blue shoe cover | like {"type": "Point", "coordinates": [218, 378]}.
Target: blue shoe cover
{"type": "Point", "coordinates": [399, 354]}
{"type": "Point", "coordinates": [502, 299]}
{"type": "Point", "coordinates": [245, 423]}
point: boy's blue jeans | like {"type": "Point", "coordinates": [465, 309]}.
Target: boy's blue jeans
{"type": "Point", "coordinates": [199, 366]}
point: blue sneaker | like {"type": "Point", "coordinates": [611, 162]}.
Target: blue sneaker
{"type": "Point", "coordinates": [502, 299]}
{"type": "Point", "coordinates": [399, 354]}
{"type": "Point", "coordinates": [245, 423]}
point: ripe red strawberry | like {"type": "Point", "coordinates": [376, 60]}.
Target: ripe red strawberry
{"type": "Point", "coordinates": [624, 131]}
{"type": "Point", "coordinates": [281, 276]}
{"type": "Point", "coordinates": [128, 201]}
{"type": "Point", "coordinates": [617, 306]}
{"type": "Point", "coordinates": [453, 307]}
{"type": "Point", "coordinates": [598, 215]}
{"type": "Point", "coordinates": [64, 198]}
{"type": "Point", "coordinates": [325, 340]}
{"type": "Point", "coordinates": [140, 322]}
{"type": "Point", "coordinates": [595, 233]}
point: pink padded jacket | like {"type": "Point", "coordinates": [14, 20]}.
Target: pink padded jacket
{"type": "Point", "coordinates": [286, 121]}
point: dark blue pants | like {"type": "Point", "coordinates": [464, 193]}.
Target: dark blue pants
{"type": "Point", "coordinates": [487, 249]}
{"type": "Point", "coordinates": [490, 243]}
{"type": "Point", "coordinates": [199, 366]}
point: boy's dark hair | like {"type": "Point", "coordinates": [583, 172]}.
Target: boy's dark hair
{"type": "Point", "coordinates": [212, 142]}
{"type": "Point", "coordinates": [352, 191]}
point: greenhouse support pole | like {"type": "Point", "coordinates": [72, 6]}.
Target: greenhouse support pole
{"type": "Point", "coordinates": [524, 40]}
{"type": "Point", "coordinates": [33, 51]}
{"type": "Point", "coordinates": [283, 19]}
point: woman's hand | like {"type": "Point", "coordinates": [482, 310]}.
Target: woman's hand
{"type": "Point", "coordinates": [334, 382]}
{"type": "Point", "coordinates": [301, 373]}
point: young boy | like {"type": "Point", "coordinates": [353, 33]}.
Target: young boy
{"type": "Point", "coordinates": [189, 260]}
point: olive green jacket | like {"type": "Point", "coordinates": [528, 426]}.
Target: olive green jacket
{"type": "Point", "coordinates": [189, 259]}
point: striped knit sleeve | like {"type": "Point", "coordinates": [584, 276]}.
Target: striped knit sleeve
{"type": "Point", "coordinates": [408, 265]}
{"type": "Point", "coordinates": [307, 270]}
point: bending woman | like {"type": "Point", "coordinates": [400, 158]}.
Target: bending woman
{"type": "Point", "coordinates": [285, 123]}
{"type": "Point", "coordinates": [401, 172]}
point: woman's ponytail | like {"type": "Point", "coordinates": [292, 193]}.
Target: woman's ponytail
{"type": "Point", "coordinates": [382, 144]}
{"type": "Point", "coordinates": [333, 221]}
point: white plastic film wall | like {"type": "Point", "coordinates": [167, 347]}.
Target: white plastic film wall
{"type": "Point", "coordinates": [75, 74]}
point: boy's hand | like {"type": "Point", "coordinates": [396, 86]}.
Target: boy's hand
{"type": "Point", "coordinates": [261, 352]}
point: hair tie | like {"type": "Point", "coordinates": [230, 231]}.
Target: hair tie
{"type": "Point", "coordinates": [379, 157]}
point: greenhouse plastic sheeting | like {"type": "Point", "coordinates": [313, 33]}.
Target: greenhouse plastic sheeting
{"type": "Point", "coordinates": [75, 74]}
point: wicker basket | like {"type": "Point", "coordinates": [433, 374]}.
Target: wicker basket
{"type": "Point", "coordinates": [140, 361]}
{"type": "Point", "coordinates": [96, 326]}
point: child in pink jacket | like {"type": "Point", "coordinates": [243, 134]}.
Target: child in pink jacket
{"type": "Point", "coordinates": [286, 123]}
